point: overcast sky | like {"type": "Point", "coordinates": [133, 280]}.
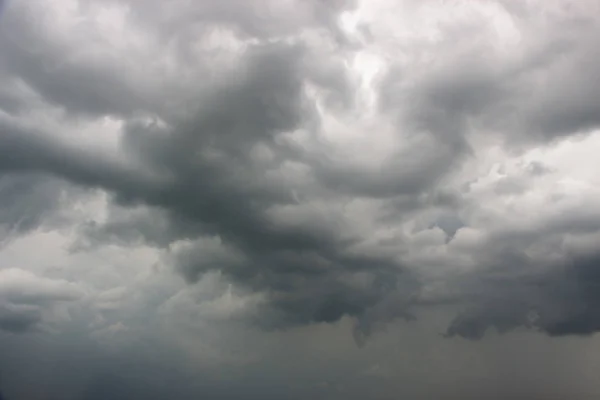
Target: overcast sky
{"type": "Point", "coordinates": [299, 199]}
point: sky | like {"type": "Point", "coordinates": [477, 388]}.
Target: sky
{"type": "Point", "coordinates": [300, 199]}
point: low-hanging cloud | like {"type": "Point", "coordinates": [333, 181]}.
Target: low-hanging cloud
{"type": "Point", "coordinates": [321, 169]}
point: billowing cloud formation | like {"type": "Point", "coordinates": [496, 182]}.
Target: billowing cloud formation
{"type": "Point", "coordinates": [292, 157]}
{"type": "Point", "coordinates": [298, 163]}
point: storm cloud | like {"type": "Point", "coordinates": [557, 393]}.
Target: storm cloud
{"type": "Point", "coordinates": [174, 172]}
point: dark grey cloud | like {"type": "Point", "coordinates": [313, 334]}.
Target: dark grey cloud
{"type": "Point", "coordinates": [254, 150]}
{"type": "Point", "coordinates": [558, 301]}
{"type": "Point", "coordinates": [26, 299]}
{"type": "Point", "coordinates": [17, 319]}
{"type": "Point", "coordinates": [199, 172]}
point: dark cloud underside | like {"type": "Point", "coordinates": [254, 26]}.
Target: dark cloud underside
{"type": "Point", "coordinates": [295, 166]}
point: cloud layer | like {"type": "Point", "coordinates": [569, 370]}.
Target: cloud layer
{"type": "Point", "coordinates": [276, 165]}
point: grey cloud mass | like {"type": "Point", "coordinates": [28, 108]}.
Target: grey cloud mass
{"type": "Point", "coordinates": [218, 185]}
{"type": "Point", "coordinates": [27, 300]}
